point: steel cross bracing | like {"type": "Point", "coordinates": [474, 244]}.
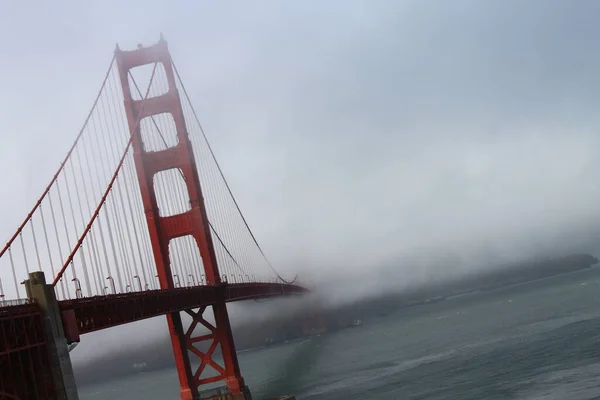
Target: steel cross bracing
{"type": "Point", "coordinates": [24, 372]}
{"type": "Point", "coordinates": [139, 221]}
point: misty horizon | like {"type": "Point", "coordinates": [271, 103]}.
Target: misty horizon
{"type": "Point", "coordinates": [357, 143]}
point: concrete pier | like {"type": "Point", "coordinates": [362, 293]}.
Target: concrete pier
{"type": "Point", "coordinates": [60, 361]}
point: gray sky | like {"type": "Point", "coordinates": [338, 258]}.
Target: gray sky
{"type": "Point", "coordinates": [355, 134]}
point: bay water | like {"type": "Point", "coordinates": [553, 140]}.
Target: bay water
{"type": "Point", "coordinates": [538, 340]}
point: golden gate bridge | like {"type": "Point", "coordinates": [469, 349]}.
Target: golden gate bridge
{"type": "Point", "coordinates": [138, 221]}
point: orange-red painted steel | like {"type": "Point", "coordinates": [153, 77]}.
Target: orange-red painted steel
{"type": "Point", "coordinates": [101, 312]}
{"type": "Point", "coordinates": [24, 358]}
{"type": "Point", "coordinates": [193, 222]}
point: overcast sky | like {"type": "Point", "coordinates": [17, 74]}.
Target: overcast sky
{"type": "Point", "coordinates": [357, 135]}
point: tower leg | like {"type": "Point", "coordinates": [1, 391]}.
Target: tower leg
{"type": "Point", "coordinates": [188, 391]}
{"type": "Point", "coordinates": [194, 222]}
{"type": "Point", "coordinates": [204, 347]}
{"type": "Point", "coordinates": [60, 361]}
{"type": "Point", "coordinates": [235, 382]}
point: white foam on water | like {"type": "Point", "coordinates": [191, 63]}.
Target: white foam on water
{"type": "Point", "coordinates": [377, 374]}
{"type": "Point", "coordinates": [579, 383]}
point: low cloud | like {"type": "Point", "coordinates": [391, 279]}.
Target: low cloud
{"type": "Point", "coordinates": [385, 144]}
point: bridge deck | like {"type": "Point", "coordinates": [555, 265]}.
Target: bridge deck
{"type": "Point", "coordinates": [101, 312]}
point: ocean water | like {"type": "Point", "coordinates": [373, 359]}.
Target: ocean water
{"type": "Point", "coordinates": [539, 340]}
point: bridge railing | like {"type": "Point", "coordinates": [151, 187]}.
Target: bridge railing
{"type": "Point", "coordinates": [15, 302]}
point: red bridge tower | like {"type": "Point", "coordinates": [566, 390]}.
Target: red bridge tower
{"type": "Point", "coordinates": [193, 222]}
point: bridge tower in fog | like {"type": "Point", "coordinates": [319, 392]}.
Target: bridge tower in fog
{"type": "Point", "coordinates": [194, 222]}
{"type": "Point", "coordinates": [126, 230]}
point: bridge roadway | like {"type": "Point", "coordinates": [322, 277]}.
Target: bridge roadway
{"type": "Point", "coordinates": [91, 314]}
